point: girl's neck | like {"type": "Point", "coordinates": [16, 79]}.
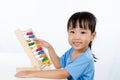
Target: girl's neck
{"type": "Point", "coordinates": [80, 51]}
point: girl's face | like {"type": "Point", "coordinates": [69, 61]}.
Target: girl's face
{"type": "Point", "coordinates": [80, 38]}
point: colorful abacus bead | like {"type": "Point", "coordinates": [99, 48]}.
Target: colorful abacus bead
{"type": "Point", "coordinates": [31, 36]}
{"type": "Point", "coordinates": [42, 55]}
{"type": "Point", "coordinates": [28, 40]}
{"type": "Point", "coordinates": [38, 45]}
{"type": "Point", "coordinates": [40, 52]}
{"type": "Point", "coordinates": [31, 43]}
{"type": "Point", "coordinates": [38, 49]}
{"type": "Point", "coordinates": [29, 33]}
{"type": "Point", "coordinates": [31, 47]}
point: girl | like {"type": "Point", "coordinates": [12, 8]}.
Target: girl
{"type": "Point", "coordinates": [78, 62]}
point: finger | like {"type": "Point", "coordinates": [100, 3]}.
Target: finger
{"type": "Point", "coordinates": [21, 74]}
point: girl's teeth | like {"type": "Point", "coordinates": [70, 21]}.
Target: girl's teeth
{"type": "Point", "coordinates": [76, 43]}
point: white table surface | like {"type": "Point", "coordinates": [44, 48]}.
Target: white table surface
{"type": "Point", "coordinates": [10, 61]}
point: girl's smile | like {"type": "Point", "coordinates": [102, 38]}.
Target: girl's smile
{"type": "Point", "coordinates": [76, 44]}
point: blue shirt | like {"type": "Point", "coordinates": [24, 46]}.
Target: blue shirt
{"type": "Point", "coordinates": [81, 68]}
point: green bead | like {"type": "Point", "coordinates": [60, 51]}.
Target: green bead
{"type": "Point", "coordinates": [32, 43]}
{"type": "Point", "coordinates": [44, 59]}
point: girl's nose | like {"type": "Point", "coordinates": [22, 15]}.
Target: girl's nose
{"type": "Point", "coordinates": [76, 36]}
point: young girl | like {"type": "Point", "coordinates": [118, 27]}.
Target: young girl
{"type": "Point", "coordinates": [78, 62]}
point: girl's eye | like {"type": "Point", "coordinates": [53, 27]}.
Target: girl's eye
{"type": "Point", "coordinates": [83, 32]}
{"type": "Point", "coordinates": [71, 32]}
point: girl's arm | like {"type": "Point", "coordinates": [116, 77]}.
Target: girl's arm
{"type": "Point", "coordinates": [52, 53]}
{"type": "Point", "coordinates": [56, 74]}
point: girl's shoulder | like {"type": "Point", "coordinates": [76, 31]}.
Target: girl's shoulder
{"type": "Point", "coordinates": [69, 51]}
{"type": "Point", "coordinates": [88, 55]}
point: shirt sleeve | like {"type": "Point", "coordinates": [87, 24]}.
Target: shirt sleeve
{"type": "Point", "coordinates": [75, 69]}
{"type": "Point", "coordinates": [63, 60]}
{"type": "Point", "coordinates": [64, 57]}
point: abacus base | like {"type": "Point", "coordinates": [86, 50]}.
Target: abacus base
{"type": "Point", "coordinates": [27, 69]}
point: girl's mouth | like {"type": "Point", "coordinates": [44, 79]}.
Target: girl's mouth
{"type": "Point", "coordinates": [76, 44]}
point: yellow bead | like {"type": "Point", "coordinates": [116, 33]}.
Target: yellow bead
{"type": "Point", "coordinates": [31, 47]}
{"type": "Point", "coordinates": [38, 45]}
{"type": "Point", "coordinates": [46, 62]}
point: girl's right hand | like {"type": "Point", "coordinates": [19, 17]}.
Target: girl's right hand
{"type": "Point", "coordinates": [42, 43]}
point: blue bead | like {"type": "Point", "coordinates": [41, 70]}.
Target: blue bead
{"type": "Point", "coordinates": [32, 36]}
{"type": "Point", "coordinates": [40, 52]}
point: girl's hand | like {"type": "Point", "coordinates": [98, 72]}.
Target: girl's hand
{"type": "Point", "coordinates": [23, 74]}
{"type": "Point", "coordinates": [42, 43]}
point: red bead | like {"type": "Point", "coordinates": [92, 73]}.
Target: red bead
{"type": "Point", "coordinates": [29, 33]}
{"type": "Point", "coordinates": [38, 49]}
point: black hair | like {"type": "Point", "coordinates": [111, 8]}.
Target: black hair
{"type": "Point", "coordinates": [86, 20]}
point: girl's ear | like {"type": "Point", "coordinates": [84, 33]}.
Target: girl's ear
{"type": "Point", "coordinates": [93, 36]}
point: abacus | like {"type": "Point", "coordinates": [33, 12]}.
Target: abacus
{"type": "Point", "coordinates": [34, 51]}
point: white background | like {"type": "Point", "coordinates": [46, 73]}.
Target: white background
{"type": "Point", "coordinates": [48, 19]}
